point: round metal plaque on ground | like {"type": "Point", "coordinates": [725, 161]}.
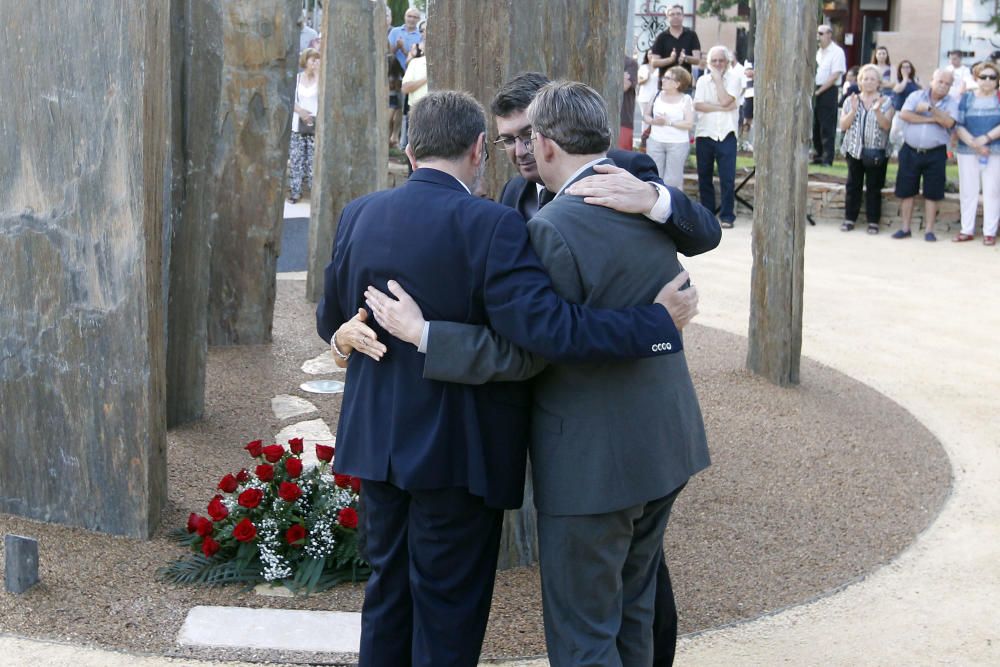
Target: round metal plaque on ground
{"type": "Point", "coordinates": [323, 386]}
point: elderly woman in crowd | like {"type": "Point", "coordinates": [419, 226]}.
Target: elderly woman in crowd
{"type": "Point", "coordinates": [978, 130]}
{"type": "Point", "coordinates": [304, 123]}
{"type": "Point", "coordinates": [670, 115]}
{"type": "Point", "coordinates": [865, 120]}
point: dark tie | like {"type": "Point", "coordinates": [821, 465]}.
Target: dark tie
{"type": "Point", "coordinates": [544, 197]}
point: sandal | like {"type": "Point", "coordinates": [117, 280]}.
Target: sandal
{"type": "Point", "coordinates": [847, 226]}
{"type": "Point", "coordinates": [961, 238]}
{"type": "Point", "coordinates": [989, 240]}
{"type": "Point", "coordinates": [873, 228]}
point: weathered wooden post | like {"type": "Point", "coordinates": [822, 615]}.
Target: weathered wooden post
{"type": "Point", "coordinates": [352, 149]}
{"type": "Point", "coordinates": [83, 173]}
{"type": "Point", "coordinates": [476, 46]}
{"type": "Point", "coordinates": [783, 126]}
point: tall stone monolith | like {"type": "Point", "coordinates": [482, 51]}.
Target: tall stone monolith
{"type": "Point", "coordinates": [83, 178]}
{"type": "Point", "coordinates": [476, 46]}
{"type": "Point", "coordinates": [351, 134]}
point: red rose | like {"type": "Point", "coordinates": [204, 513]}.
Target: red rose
{"type": "Point", "coordinates": [343, 481]}
{"type": "Point", "coordinates": [255, 448]}
{"type": "Point", "coordinates": [356, 484]}
{"type": "Point", "coordinates": [251, 498]}
{"type": "Point", "coordinates": [244, 531]}
{"type": "Point", "coordinates": [296, 445]}
{"type": "Point", "coordinates": [294, 467]}
{"type": "Point", "coordinates": [199, 524]}
{"type": "Point", "coordinates": [242, 476]}
{"type": "Point", "coordinates": [209, 547]}
{"type": "Point", "coordinates": [348, 518]}
{"type": "Point", "coordinates": [265, 472]}
{"type": "Point", "coordinates": [228, 483]}
{"type": "Point", "coordinates": [273, 453]}
{"type": "Point", "coordinates": [324, 453]}
{"type": "Point", "coordinates": [217, 509]}
{"type": "Point", "coordinates": [192, 522]}
{"type": "Point", "coordinates": [289, 491]}
{"type": "Point", "coordinates": [294, 534]}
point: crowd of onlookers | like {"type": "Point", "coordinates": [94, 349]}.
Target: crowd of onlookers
{"type": "Point", "coordinates": [870, 114]}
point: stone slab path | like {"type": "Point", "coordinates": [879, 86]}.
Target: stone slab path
{"type": "Point", "coordinates": [282, 629]}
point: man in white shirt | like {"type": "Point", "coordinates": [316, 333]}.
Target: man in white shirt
{"type": "Point", "coordinates": [716, 99]}
{"type": "Point", "coordinates": [831, 63]}
{"type": "Point", "coordinates": [961, 76]}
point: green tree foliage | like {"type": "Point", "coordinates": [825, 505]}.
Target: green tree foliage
{"type": "Point", "coordinates": [398, 8]}
{"type": "Point", "coordinates": [995, 19]}
{"type": "Point", "coordinates": [717, 8]}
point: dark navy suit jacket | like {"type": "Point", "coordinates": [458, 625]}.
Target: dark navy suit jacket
{"type": "Point", "coordinates": [464, 259]}
{"type": "Point", "coordinates": [691, 226]}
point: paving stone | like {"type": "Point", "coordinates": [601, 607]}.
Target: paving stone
{"type": "Point", "coordinates": [281, 629]}
{"type": "Point", "coordinates": [322, 364]}
{"type": "Point", "coordinates": [286, 406]}
{"type": "Point", "coordinates": [269, 591]}
{"type": "Point", "coordinates": [312, 432]}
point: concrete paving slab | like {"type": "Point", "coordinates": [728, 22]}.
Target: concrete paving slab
{"type": "Point", "coordinates": [322, 364]}
{"type": "Point", "coordinates": [312, 432]}
{"type": "Point", "coordinates": [286, 406]}
{"type": "Point", "coordinates": [281, 629]}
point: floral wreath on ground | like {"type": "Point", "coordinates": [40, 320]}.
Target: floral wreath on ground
{"type": "Point", "coordinates": [283, 523]}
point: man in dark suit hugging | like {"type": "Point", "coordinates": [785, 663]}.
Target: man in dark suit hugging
{"type": "Point", "coordinates": [612, 442]}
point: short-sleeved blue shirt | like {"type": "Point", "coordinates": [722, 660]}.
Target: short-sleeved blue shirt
{"type": "Point", "coordinates": [409, 39]}
{"type": "Point", "coordinates": [978, 115]}
{"type": "Point", "coordinates": [928, 135]}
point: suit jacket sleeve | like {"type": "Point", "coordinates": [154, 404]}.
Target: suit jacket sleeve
{"type": "Point", "coordinates": [522, 306]}
{"type": "Point", "coordinates": [475, 354]}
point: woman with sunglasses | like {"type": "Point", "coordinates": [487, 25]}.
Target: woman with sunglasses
{"type": "Point", "coordinates": [670, 116]}
{"type": "Point", "coordinates": [978, 129]}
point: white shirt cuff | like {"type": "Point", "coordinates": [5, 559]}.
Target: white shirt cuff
{"type": "Point", "coordinates": [423, 338]}
{"type": "Point", "coordinates": [662, 209]}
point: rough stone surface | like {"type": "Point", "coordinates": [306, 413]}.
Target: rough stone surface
{"type": "Point", "coordinates": [281, 629]}
{"type": "Point", "coordinates": [20, 563]}
{"type": "Point", "coordinates": [581, 40]}
{"type": "Point", "coordinates": [351, 143]}
{"type": "Point", "coordinates": [313, 432]}
{"type": "Point", "coordinates": [286, 406]}
{"type": "Point", "coordinates": [82, 195]}
{"type": "Point", "coordinates": [260, 47]}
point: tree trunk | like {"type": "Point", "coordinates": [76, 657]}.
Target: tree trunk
{"type": "Point", "coordinates": [475, 46]}
{"type": "Point", "coordinates": [352, 144]}
{"type": "Point", "coordinates": [783, 127]}
{"type": "Point", "coordinates": [83, 177]}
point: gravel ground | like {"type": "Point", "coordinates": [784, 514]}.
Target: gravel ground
{"type": "Point", "coordinates": [810, 488]}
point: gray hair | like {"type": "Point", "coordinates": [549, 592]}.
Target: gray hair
{"type": "Point", "coordinates": [725, 52]}
{"type": "Point", "coordinates": [445, 124]}
{"type": "Point", "coordinates": [573, 115]}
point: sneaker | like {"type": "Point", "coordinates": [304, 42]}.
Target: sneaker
{"type": "Point", "coordinates": [929, 236]}
{"type": "Point", "coordinates": [902, 234]}
{"type": "Point", "coordinates": [726, 224]}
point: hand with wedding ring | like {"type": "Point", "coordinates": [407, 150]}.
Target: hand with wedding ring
{"type": "Point", "coordinates": [353, 335]}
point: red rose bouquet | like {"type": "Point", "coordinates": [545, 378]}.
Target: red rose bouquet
{"type": "Point", "coordinates": [283, 522]}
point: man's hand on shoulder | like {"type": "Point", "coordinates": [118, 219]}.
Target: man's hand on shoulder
{"type": "Point", "coordinates": [615, 188]}
{"type": "Point", "coordinates": [681, 304]}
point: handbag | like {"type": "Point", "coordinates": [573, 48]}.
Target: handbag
{"type": "Point", "coordinates": [870, 157]}
{"type": "Point", "coordinates": [305, 129]}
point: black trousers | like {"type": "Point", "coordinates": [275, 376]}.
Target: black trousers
{"type": "Point", "coordinates": [825, 124]}
{"type": "Point", "coordinates": [872, 180]}
{"type": "Point", "coordinates": [434, 557]}
{"type": "Point", "coordinates": [665, 612]}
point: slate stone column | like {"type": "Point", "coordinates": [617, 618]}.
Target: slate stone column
{"type": "Point", "coordinates": [352, 147]}
{"type": "Point", "coordinates": [83, 173]}
{"type": "Point", "coordinates": [476, 46]}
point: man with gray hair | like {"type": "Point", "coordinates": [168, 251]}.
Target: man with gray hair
{"type": "Point", "coordinates": [717, 101]}
{"type": "Point", "coordinates": [606, 465]}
